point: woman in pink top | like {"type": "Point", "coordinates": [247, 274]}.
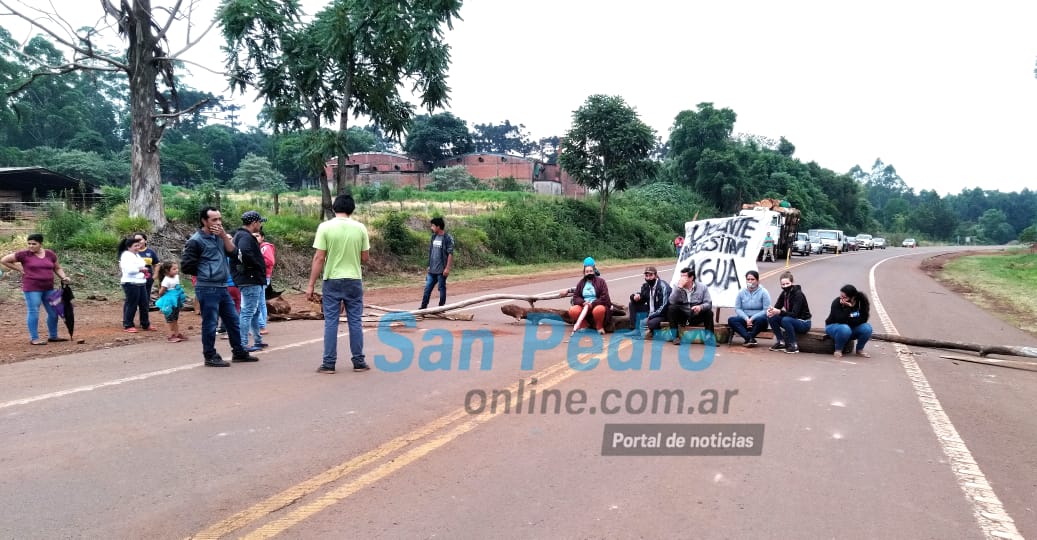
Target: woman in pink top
{"type": "Point", "coordinates": [270, 258]}
{"type": "Point", "coordinates": [38, 267]}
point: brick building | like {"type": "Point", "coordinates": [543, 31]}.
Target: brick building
{"type": "Point", "coordinates": [377, 168]}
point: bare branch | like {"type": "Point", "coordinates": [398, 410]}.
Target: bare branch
{"type": "Point", "coordinates": [89, 53]}
{"type": "Point", "coordinates": [191, 43]}
{"type": "Point", "coordinates": [54, 71]}
{"type": "Point", "coordinates": [188, 110]}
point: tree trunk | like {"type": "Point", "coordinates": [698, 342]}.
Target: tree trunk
{"type": "Point", "coordinates": [325, 195]}
{"type": "Point", "coordinates": [145, 174]}
{"type": "Point", "coordinates": [343, 179]}
{"type": "Point", "coordinates": [277, 204]}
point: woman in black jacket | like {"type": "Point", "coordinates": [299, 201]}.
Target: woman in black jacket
{"type": "Point", "coordinates": [789, 316]}
{"type": "Point", "coordinates": [849, 320]}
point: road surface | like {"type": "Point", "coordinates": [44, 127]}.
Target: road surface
{"type": "Point", "coordinates": [144, 442]}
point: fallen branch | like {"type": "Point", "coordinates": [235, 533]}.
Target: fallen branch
{"type": "Point", "coordinates": [465, 303]}
{"type": "Point", "coordinates": [983, 350]}
{"type": "Point", "coordinates": [1011, 364]}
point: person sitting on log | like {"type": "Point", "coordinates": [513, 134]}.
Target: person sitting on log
{"type": "Point", "coordinates": [690, 304]}
{"type": "Point", "coordinates": [849, 320]}
{"type": "Point", "coordinates": [648, 306]}
{"type": "Point", "coordinates": [750, 309]}
{"type": "Point", "coordinates": [590, 300]}
{"type": "Point", "coordinates": [789, 316]}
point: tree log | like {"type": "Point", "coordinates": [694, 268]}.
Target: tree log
{"type": "Point", "coordinates": [983, 350]}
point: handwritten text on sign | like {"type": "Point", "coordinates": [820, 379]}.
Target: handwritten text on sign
{"type": "Point", "coordinates": [721, 251]}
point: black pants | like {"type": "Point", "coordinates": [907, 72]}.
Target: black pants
{"type": "Point", "coordinates": [681, 315]}
{"type": "Point", "coordinates": [136, 300]}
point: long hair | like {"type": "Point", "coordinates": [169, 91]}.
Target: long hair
{"type": "Point", "coordinates": [125, 244]}
{"type": "Point", "coordinates": [858, 298]}
{"type": "Point", "coordinates": [163, 269]}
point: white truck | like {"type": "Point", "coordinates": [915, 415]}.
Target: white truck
{"type": "Point", "coordinates": [781, 221]}
{"type": "Point", "coordinates": [831, 239]}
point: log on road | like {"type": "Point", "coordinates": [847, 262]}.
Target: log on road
{"type": "Point", "coordinates": [983, 350]}
{"type": "Point", "coordinates": [618, 321]}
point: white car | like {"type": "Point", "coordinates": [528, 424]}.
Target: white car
{"type": "Point", "coordinates": [909, 243]}
{"type": "Point", "coordinates": [864, 241]}
{"type": "Point", "coordinates": [802, 244]}
{"type": "Point", "coordinates": [879, 243]}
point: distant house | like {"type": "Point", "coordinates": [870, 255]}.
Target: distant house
{"type": "Point", "coordinates": [378, 168]}
{"type": "Point", "coordinates": [23, 189]}
{"type": "Point", "coordinates": [545, 179]}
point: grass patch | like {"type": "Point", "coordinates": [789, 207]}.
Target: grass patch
{"type": "Point", "coordinates": [1002, 284]}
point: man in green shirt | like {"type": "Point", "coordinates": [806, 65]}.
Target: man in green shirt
{"type": "Point", "coordinates": [342, 246]}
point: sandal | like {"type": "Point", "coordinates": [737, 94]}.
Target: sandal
{"type": "Point", "coordinates": [863, 354]}
{"type": "Point", "coordinates": [37, 342]}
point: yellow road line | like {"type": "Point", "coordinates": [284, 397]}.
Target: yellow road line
{"type": "Point", "coordinates": [305, 512]}
{"type": "Point", "coordinates": [298, 491]}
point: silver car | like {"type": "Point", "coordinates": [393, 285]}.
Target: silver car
{"type": "Point", "coordinates": [878, 243]}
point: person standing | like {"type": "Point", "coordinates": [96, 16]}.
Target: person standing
{"type": "Point", "coordinates": [249, 274]}
{"type": "Point", "coordinates": [690, 304]}
{"type": "Point", "coordinates": [789, 316]}
{"type": "Point", "coordinates": [649, 304]}
{"type": "Point", "coordinates": [678, 243]}
{"type": "Point", "coordinates": [205, 257]}
{"type": "Point", "coordinates": [440, 259]}
{"type": "Point", "coordinates": [768, 248]}
{"type": "Point", "coordinates": [270, 258]}
{"type": "Point", "coordinates": [750, 309]}
{"type": "Point", "coordinates": [38, 267]}
{"type": "Point", "coordinates": [848, 320]}
{"type": "Point", "coordinates": [134, 283]}
{"type": "Point", "coordinates": [150, 261]}
{"type": "Point", "coordinates": [342, 247]}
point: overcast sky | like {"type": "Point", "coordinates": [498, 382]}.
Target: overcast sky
{"type": "Point", "coordinates": [943, 91]}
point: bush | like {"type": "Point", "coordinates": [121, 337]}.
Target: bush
{"type": "Point", "coordinates": [292, 230]}
{"type": "Point", "coordinates": [63, 224]}
{"type": "Point", "coordinates": [125, 225]}
{"type": "Point", "coordinates": [94, 241]}
{"type": "Point", "coordinates": [398, 237]}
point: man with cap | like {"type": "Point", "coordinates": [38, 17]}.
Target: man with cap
{"type": "Point", "coordinates": [648, 306]}
{"type": "Point", "coordinates": [249, 274]}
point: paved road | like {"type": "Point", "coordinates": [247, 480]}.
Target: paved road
{"type": "Point", "coordinates": [142, 442]}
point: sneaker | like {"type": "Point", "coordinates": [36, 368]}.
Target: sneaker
{"type": "Point", "coordinates": [361, 367]}
{"type": "Point", "coordinates": [326, 370]}
{"type": "Point", "coordinates": [838, 354]}
{"type": "Point", "coordinates": [221, 330]}
{"type": "Point", "coordinates": [254, 348]}
{"type": "Point", "coordinates": [243, 357]}
{"type": "Point", "coordinates": [677, 341]}
{"type": "Point", "coordinates": [748, 344]}
{"type": "Point", "coordinates": [216, 361]}
{"type": "Point", "coordinates": [778, 347]}
{"type": "Point", "coordinates": [262, 345]}
{"type": "Point", "coordinates": [792, 349]}
{"type": "Point", "coordinates": [130, 330]}
{"type": "Point", "coordinates": [752, 343]}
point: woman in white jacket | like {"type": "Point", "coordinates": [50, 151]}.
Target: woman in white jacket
{"type": "Point", "coordinates": [134, 279]}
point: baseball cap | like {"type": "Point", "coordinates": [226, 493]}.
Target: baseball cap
{"type": "Point", "coordinates": [650, 270]}
{"type": "Point", "coordinates": [251, 217]}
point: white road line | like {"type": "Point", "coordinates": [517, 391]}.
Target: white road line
{"type": "Point", "coordinates": [987, 509]}
{"type": "Point", "coordinates": [170, 371]}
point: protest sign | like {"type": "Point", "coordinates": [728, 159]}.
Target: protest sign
{"type": "Point", "coordinates": [721, 251]}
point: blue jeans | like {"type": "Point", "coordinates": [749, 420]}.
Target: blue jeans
{"type": "Point", "coordinates": [33, 300]}
{"type": "Point", "coordinates": [333, 293]}
{"type": "Point", "coordinates": [262, 308]}
{"type": "Point", "coordinates": [216, 303]}
{"type": "Point", "coordinates": [251, 298]}
{"type": "Point", "coordinates": [737, 324]}
{"type": "Point", "coordinates": [842, 334]}
{"type": "Point", "coordinates": [785, 328]}
{"type": "Point", "coordinates": [136, 300]}
{"type": "Point", "coordinates": [430, 281]}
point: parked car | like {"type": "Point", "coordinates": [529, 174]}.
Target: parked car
{"type": "Point", "coordinates": [879, 243]}
{"type": "Point", "coordinates": [864, 241]}
{"type": "Point", "coordinates": [802, 244]}
{"type": "Point", "coordinates": [909, 243]}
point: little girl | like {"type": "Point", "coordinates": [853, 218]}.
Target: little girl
{"type": "Point", "coordinates": [171, 298]}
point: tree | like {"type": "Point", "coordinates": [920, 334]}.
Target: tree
{"type": "Point", "coordinates": [437, 137]}
{"type": "Point", "coordinates": [351, 59]}
{"type": "Point", "coordinates": [696, 131]}
{"type": "Point", "coordinates": [994, 227]}
{"type": "Point", "coordinates": [256, 173]}
{"type": "Point", "coordinates": [607, 147]}
{"type": "Point", "coordinates": [505, 138]}
{"type": "Point", "coordinates": [147, 62]}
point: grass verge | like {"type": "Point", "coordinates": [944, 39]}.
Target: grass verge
{"type": "Point", "coordinates": [1001, 284]}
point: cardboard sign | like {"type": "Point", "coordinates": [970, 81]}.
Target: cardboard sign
{"type": "Point", "coordinates": [721, 251]}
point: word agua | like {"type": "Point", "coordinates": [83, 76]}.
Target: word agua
{"type": "Point", "coordinates": [583, 352]}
